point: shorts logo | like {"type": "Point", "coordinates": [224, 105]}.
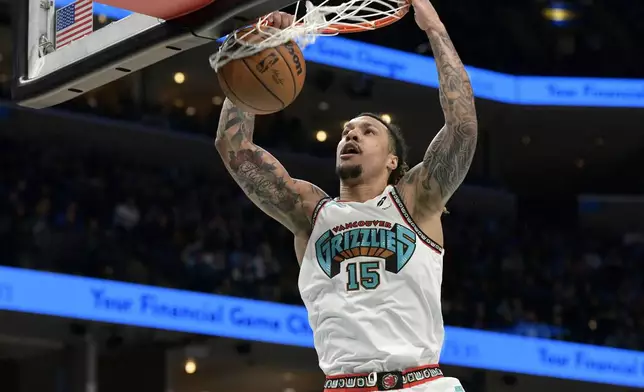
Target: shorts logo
{"type": "Point", "coordinates": [389, 381]}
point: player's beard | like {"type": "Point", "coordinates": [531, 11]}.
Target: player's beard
{"type": "Point", "coordinates": [348, 172]}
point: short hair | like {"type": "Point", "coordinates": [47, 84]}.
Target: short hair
{"type": "Point", "coordinates": [396, 145]}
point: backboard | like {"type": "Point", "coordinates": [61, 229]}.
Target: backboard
{"type": "Point", "coordinates": [59, 53]}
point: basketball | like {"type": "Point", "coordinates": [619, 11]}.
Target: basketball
{"type": "Point", "coordinates": [266, 82]}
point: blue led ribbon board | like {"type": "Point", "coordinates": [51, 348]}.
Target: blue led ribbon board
{"type": "Point", "coordinates": [175, 310]}
{"type": "Point", "coordinates": [412, 68]}
{"type": "Point", "coordinates": [520, 90]}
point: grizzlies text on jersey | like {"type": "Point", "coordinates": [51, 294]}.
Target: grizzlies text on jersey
{"type": "Point", "coordinates": [371, 282]}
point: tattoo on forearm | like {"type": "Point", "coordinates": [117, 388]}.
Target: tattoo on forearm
{"type": "Point", "coordinates": [263, 184]}
{"type": "Point", "coordinates": [259, 180]}
{"type": "Point", "coordinates": [260, 175]}
{"type": "Point", "coordinates": [450, 154]}
{"type": "Point", "coordinates": [235, 124]}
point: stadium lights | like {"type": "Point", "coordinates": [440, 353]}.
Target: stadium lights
{"type": "Point", "coordinates": [191, 111]}
{"type": "Point", "coordinates": [559, 14]}
{"type": "Point", "coordinates": [386, 118]}
{"type": "Point", "coordinates": [592, 324]}
{"type": "Point", "coordinates": [179, 78]}
{"type": "Point", "coordinates": [190, 367]}
{"type": "Point", "coordinates": [321, 136]}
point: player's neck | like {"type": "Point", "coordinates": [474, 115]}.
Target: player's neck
{"type": "Point", "coordinates": [360, 192]}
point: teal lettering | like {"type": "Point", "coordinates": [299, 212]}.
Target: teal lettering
{"type": "Point", "coordinates": [336, 246]}
{"type": "Point", "coordinates": [352, 280]}
{"type": "Point", "coordinates": [354, 239]}
{"type": "Point", "coordinates": [405, 246]}
{"type": "Point", "coordinates": [374, 239]}
{"type": "Point", "coordinates": [369, 275]}
{"type": "Point", "coordinates": [382, 236]}
{"type": "Point", "coordinates": [331, 250]}
{"type": "Point", "coordinates": [323, 252]}
{"type": "Point", "coordinates": [391, 241]}
{"type": "Point", "coordinates": [364, 238]}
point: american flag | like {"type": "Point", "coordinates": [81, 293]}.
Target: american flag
{"type": "Point", "coordinates": [74, 21]}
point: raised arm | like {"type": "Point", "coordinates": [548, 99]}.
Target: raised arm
{"type": "Point", "coordinates": [264, 180]}
{"type": "Point", "coordinates": [430, 184]}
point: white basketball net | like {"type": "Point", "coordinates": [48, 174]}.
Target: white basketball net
{"type": "Point", "coordinates": [351, 16]}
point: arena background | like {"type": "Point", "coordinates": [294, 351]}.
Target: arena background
{"type": "Point", "coordinates": [543, 275]}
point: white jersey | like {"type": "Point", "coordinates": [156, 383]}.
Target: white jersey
{"type": "Point", "coordinates": [371, 282]}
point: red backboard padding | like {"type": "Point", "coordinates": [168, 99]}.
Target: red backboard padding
{"type": "Point", "coordinates": [164, 9]}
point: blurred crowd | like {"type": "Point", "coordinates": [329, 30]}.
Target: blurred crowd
{"type": "Point", "coordinates": [517, 37]}
{"type": "Point", "coordinates": [88, 214]}
{"type": "Point", "coordinates": [91, 214]}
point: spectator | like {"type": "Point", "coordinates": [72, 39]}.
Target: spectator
{"type": "Point", "coordinates": [127, 215]}
{"type": "Point", "coordinates": [184, 230]}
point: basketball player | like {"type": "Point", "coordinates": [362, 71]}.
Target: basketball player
{"type": "Point", "coordinates": [372, 259]}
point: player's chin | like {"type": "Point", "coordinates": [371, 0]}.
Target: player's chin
{"type": "Point", "coordinates": [348, 170]}
{"type": "Point", "coordinates": [346, 165]}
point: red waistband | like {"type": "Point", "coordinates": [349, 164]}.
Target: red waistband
{"type": "Point", "coordinates": [382, 381]}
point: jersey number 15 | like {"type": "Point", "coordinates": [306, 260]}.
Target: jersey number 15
{"type": "Point", "coordinates": [363, 274]}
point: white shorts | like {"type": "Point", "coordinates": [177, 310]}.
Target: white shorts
{"type": "Point", "coordinates": [443, 384]}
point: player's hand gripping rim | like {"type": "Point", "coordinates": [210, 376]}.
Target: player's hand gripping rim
{"type": "Point", "coordinates": [280, 20]}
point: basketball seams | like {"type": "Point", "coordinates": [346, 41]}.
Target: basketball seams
{"type": "Point", "coordinates": [223, 81]}
{"type": "Point", "coordinates": [250, 69]}
{"type": "Point", "coordinates": [288, 66]}
{"type": "Point", "coordinates": [268, 86]}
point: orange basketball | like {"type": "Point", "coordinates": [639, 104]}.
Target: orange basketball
{"type": "Point", "coordinates": [266, 82]}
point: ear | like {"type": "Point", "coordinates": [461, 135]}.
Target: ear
{"type": "Point", "coordinates": [392, 162]}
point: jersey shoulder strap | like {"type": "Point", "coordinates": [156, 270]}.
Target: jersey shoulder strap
{"type": "Point", "coordinates": [402, 209]}
{"type": "Point", "coordinates": [318, 208]}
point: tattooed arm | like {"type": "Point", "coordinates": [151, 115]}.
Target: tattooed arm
{"type": "Point", "coordinates": [429, 185]}
{"type": "Point", "coordinates": [261, 176]}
